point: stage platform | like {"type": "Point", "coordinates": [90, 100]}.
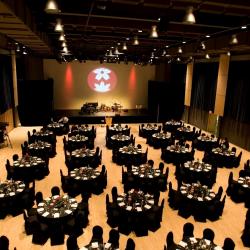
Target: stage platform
{"type": "Point", "coordinates": [123, 116]}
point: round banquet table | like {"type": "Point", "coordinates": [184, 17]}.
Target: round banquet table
{"type": "Point", "coordinates": [160, 140]}
{"type": "Point", "coordinates": [117, 128]}
{"type": "Point", "coordinates": [194, 171]}
{"type": "Point", "coordinates": [197, 192]}
{"type": "Point", "coordinates": [223, 157]}
{"type": "Point", "coordinates": [196, 244]}
{"type": "Point", "coordinates": [56, 207]}
{"type": "Point", "coordinates": [185, 132]}
{"type": "Point", "coordinates": [196, 200]}
{"type": "Point", "coordinates": [56, 127]}
{"type": "Point", "coordinates": [40, 149]}
{"type": "Point", "coordinates": [176, 154]}
{"type": "Point", "coordinates": [10, 189]}
{"type": "Point", "coordinates": [85, 178]}
{"type": "Point", "coordinates": [130, 155]}
{"type": "Point", "coordinates": [149, 130]}
{"type": "Point", "coordinates": [133, 208]}
{"type": "Point", "coordinates": [146, 177]}
{"type": "Point", "coordinates": [205, 143]}
{"type": "Point", "coordinates": [119, 141]}
{"type": "Point", "coordinates": [29, 168]}
{"type": "Point", "coordinates": [135, 201]}
{"type": "Point", "coordinates": [171, 126]}
{"type": "Point", "coordinates": [82, 156]}
{"type": "Point", "coordinates": [82, 130]}
{"type": "Point", "coordinates": [11, 199]}
{"type": "Point", "coordinates": [77, 141]}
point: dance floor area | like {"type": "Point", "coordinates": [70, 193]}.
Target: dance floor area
{"type": "Point", "coordinates": [231, 223]}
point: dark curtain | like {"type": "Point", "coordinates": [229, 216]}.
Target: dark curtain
{"type": "Point", "coordinates": [235, 123]}
{"type": "Point", "coordinates": [5, 83]}
{"type": "Point", "coordinates": [203, 93]}
{"type": "Point", "coordinates": [178, 81]}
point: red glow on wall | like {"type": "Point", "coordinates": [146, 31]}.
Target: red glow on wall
{"type": "Point", "coordinates": [132, 79]}
{"type": "Point", "coordinates": [68, 79]}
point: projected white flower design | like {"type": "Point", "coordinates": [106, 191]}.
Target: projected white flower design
{"type": "Point", "coordinates": [102, 80]}
{"type": "Point", "coordinates": [102, 73]}
{"type": "Point", "coordinates": [102, 87]}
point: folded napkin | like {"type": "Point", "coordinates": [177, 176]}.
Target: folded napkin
{"type": "Point", "coordinates": [40, 209]}
{"type": "Point", "coordinates": [182, 243]}
{"type": "Point", "coordinates": [12, 193]}
{"type": "Point", "coordinates": [94, 244]}
{"type": "Point", "coordinates": [107, 245]}
{"type": "Point", "coordinates": [129, 208]}
{"type": "Point", "coordinates": [147, 206]}
{"type": "Point", "coordinates": [68, 211]}
{"type": "Point", "coordinates": [138, 209]}
{"type": "Point", "coordinates": [190, 196]}
{"type": "Point", "coordinates": [45, 214]}
{"type": "Point", "coordinates": [56, 215]}
{"type": "Point", "coordinates": [19, 190]}
{"type": "Point", "coordinates": [2, 195]}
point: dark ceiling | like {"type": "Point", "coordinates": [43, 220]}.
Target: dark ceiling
{"type": "Point", "coordinates": [92, 27]}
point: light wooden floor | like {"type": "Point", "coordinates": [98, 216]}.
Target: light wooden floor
{"type": "Point", "coordinates": [230, 225]}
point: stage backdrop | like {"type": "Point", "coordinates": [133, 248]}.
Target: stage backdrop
{"type": "Point", "coordinates": [76, 83]}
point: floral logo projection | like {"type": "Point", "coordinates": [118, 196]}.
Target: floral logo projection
{"type": "Point", "coordinates": [102, 80]}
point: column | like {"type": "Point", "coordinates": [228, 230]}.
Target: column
{"type": "Point", "coordinates": [14, 82]}
{"type": "Point", "coordinates": [221, 85]}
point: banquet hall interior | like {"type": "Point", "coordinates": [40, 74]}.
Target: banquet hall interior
{"type": "Point", "coordinates": [124, 124]}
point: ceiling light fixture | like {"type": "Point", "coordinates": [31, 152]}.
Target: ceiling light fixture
{"type": "Point", "coordinates": [243, 27]}
{"type": "Point", "coordinates": [124, 47]}
{"type": "Point", "coordinates": [140, 31]}
{"type": "Point", "coordinates": [228, 53]}
{"type": "Point", "coordinates": [62, 37]}
{"type": "Point", "coordinates": [154, 33]}
{"type": "Point", "coordinates": [17, 47]}
{"type": "Point", "coordinates": [164, 52]}
{"type": "Point", "coordinates": [116, 52]}
{"type": "Point", "coordinates": [64, 44]}
{"type": "Point", "coordinates": [24, 51]}
{"type": "Point", "coordinates": [207, 36]}
{"type": "Point", "coordinates": [207, 56]}
{"type": "Point", "coordinates": [184, 42]}
{"type": "Point", "coordinates": [178, 59]}
{"type": "Point", "coordinates": [136, 41]}
{"type": "Point", "coordinates": [51, 7]}
{"type": "Point", "coordinates": [65, 50]}
{"type": "Point", "coordinates": [59, 26]}
{"type": "Point", "coordinates": [234, 40]}
{"type": "Point", "coordinates": [179, 50]}
{"type": "Point", "coordinates": [189, 17]}
{"type": "Point", "coordinates": [203, 46]}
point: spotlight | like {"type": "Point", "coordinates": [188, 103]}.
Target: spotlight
{"type": "Point", "coordinates": [234, 40]}
{"type": "Point", "coordinates": [136, 41]}
{"type": "Point", "coordinates": [189, 17]}
{"type": "Point", "coordinates": [154, 33]}
{"type": "Point", "coordinates": [59, 26]}
{"type": "Point", "coordinates": [51, 7]}
{"type": "Point", "coordinates": [179, 50]}
{"type": "Point", "coordinates": [124, 47]}
{"type": "Point", "coordinates": [62, 37]}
